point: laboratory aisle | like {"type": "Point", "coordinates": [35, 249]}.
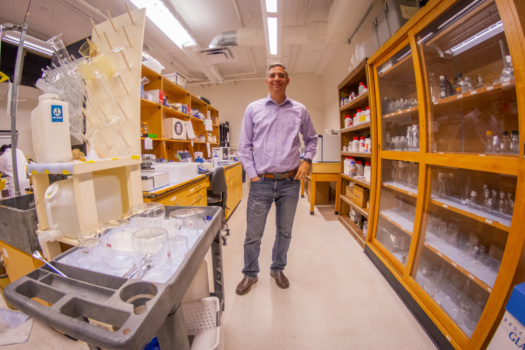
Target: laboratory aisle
{"type": "Point", "coordinates": [337, 299]}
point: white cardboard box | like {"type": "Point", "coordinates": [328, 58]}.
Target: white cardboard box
{"type": "Point", "coordinates": [154, 179]}
{"type": "Point", "coordinates": [173, 128]}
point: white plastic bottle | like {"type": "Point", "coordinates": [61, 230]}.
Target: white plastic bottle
{"type": "Point", "coordinates": [355, 145]}
{"type": "Point", "coordinates": [368, 172]}
{"type": "Point", "coordinates": [351, 167]}
{"type": "Point", "coordinates": [362, 144]}
{"type": "Point", "coordinates": [50, 128]}
{"type": "Point", "coordinates": [367, 114]}
{"type": "Point", "coordinates": [361, 88]}
{"type": "Point", "coordinates": [348, 121]}
{"type": "Point", "coordinates": [346, 165]}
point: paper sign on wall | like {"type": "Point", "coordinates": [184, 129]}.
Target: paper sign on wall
{"type": "Point", "coordinates": [148, 143]}
{"type": "Point", "coordinates": [189, 130]}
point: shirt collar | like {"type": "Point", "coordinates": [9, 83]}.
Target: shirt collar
{"type": "Point", "coordinates": [270, 100]}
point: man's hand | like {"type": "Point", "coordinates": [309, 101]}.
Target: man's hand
{"type": "Point", "coordinates": [303, 171]}
{"type": "Point", "coordinates": [253, 179]}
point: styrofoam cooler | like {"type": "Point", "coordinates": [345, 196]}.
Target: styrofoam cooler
{"type": "Point", "coordinates": [511, 332]}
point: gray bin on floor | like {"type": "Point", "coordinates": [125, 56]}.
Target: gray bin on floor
{"type": "Point", "coordinates": [18, 223]}
{"type": "Point", "coordinates": [133, 310]}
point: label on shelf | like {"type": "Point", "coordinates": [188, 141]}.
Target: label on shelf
{"type": "Point", "coordinates": [489, 289]}
{"type": "Point", "coordinates": [505, 83]}
{"type": "Point", "coordinates": [410, 194]}
{"type": "Point", "coordinates": [481, 155]}
{"type": "Point", "coordinates": [439, 253]}
{"type": "Point", "coordinates": [471, 276]}
{"type": "Point", "coordinates": [490, 88]}
{"type": "Point", "coordinates": [454, 264]}
{"type": "Point", "coordinates": [445, 206]}
{"type": "Point", "coordinates": [473, 92]}
{"type": "Point", "coordinates": [148, 143]}
{"type": "Point", "coordinates": [488, 221]}
{"type": "Point", "coordinates": [460, 96]}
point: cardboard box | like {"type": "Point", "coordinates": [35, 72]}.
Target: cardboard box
{"type": "Point", "coordinates": [360, 196]}
{"type": "Point", "coordinates": [173, 128]}
{"type": "Point", "coordinates": [349, 191]}
{"type": "Point", "coordinates": [154, 179]}
{"type": "Point", "coordinates": [156, 96]}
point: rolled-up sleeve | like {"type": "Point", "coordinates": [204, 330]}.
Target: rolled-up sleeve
{"type": "Point", "coordinates": [309, 136]}
{"type": "Point", "coordinates": [245, 151]}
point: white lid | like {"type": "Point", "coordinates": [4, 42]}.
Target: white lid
{"type": "Point", "coordinates": [48, 97]}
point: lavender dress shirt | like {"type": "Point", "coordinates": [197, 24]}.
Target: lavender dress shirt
{"type": "Point", "coordinates": [270, 136]}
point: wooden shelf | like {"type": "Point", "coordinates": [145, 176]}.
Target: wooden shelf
{"type": "Point", "coordinates": [357, 154]}
{"type": "Point", "coordinates": [149, 104]}
{"type": "Point", "coordinates": [398, 221]}
{"type": "Point", "coordinates": [359, 102]}
{"type": "Point", "coordinates": [478, 215]}
{"type": "Point", "coordinates": [172, 140]}
{"type": "Point", "coordinates": [359, 182]}
{"type": "Point", "coordinates": [460, 268]}
{"type": "Point", "coordinates": [401, 113]}
{"type": "Point", "coordinates": [410, 191]}
{"type": "Point", "coordinates": [361, 126]}
{"type": "Point", "coordinates": [400, 68]}
{"type": "Point", "coordinates": [351, 203]}
{"type": "Point", "coordinates": [353, 229]}
{"type": "Point", "coordinates": [476, 92]}
{"type": "Point", "coordinates": [175, 113]}
{"type": "Point", "coordinates": [153, 139]}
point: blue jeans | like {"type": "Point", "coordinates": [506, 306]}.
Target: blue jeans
{"type": "Point", "coordinates": [285, 194]}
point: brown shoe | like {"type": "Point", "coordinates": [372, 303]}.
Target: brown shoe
{"type": "Point", "coordinates": [245, 285]}
{"type": "Point", "coordinates": [280, 279]}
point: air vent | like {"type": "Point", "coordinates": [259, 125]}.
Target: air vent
{"type": "Point", "coordinates": [218, 55]}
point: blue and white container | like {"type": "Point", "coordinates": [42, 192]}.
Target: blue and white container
{"type": "Point", "coordinates": [50, 128]}
{"type": "Point", "coordinates": [511, 332]}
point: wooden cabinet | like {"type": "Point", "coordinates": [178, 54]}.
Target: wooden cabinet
{"type": "Point", "coordinates": [190, 193]}
{"type": "Point", "coordinates": [233, 176]}
{"type": "Point", "coordinates": [351, 215]}
{"type": "Point", "coordinates": [448, 108]}
{"type": "Point", "coordinates": [155, 114]}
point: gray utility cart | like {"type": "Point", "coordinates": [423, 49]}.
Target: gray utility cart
{"type": "Point", "coordinates": [132, 311]}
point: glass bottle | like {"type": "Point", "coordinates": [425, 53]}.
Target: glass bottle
{"type": "Point", "coordinates": [472, 199]}
{"type": "Point", "coordinates": [510, 204]}
{"type": "Point", "coordinates": [479, 82]}
{"type": "Point", "coordinates": [487, 203]}
{"type": "Point", "coordinates": [494, 200]}
{"type": "Point", "coordinates": [444, 87]}
{"type": "Point", "coordinates": [505, 142]}
{"type": "Point", "coordinates": [409, 137]}
{"type": "Point", "coordinates": [489, 138]}
{"type": "Point", "coordinates": [496, 144]}
{"type": "Point", "coordinates": [514, 142]}
{"type": "Point", "coordinates": [502, 203]}
{"type": "Point", "coordinates": [434, 87]}
{"type": "Point", "coordinates": [415, 137]}
{"type": "Point", "coordinates": [507, 73]}
{"type": "Point", "coordinates": [467, 84]}
{"type": "Point", "coordinates": [144, 129]}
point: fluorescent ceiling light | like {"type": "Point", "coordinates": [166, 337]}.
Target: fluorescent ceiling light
{"type": "Point", "coordinates": [271, 6]}
{"type": "Point", "coordinates": [272, 35]}
{"type": "Point", "coordinates": [161, 16]}
{"type": "Point", "coordinates": [478, 38]}
{"type": "Point", "coordinates": [28, 45]}
{"type": "Point", "coordinates": [460, 14]}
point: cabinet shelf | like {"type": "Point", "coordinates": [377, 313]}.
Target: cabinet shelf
{"type": "Point", "coordinates": [400, 68]}
{"type": "Point", "coordinates": [455, 205]}
{"type": "Point", "coordinates": [476, 92]}
{"type": "Point", "coordinates": [179, 141]}
{"type": "Point", "coordinates": [361, 126]}
{"type": "Point", "coordinates": [175, 113]}
{"type": "Point", "coordinates": [149, 104]}
{"type": "Point", "coordinates": [359, 182]}
{"type": "Point", "coordinates": [357, 154]}
{"type": "Point", "coordinates": [352, 227]}
{"type": "Point", "coordinates": [359, 102]}
{"type": "Point", "coordinates": [401, 222]}
{"type": "Point", "coordinates": [453, 256]}
{"type": "Point", "coordinates": [156, 139]}
{"type": "Point", "coordinates": [401, 113]}
{"type": "Point", "coordinates": [410, 191]}
{"type": "Point", "coordinates": [351, 203]}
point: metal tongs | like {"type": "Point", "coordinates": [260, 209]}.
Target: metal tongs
{"type": "Point", "coordinates": [138, 271]}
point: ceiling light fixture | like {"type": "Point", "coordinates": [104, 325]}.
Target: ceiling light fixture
{"type": "Point", "coordinates": [271, 6]}
{"type": "Point", "coordinates": [12, 38]}
{"type": "Point", "coordinates": [162, 17]}
{"type": "Point", "coordinates": [272, 35]}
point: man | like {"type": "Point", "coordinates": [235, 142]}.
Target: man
{"type": "Point", "coordinates": [269, 151]}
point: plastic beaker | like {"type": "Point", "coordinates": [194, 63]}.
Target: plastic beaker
{"type": "Point", "coordinates": [149, 214]}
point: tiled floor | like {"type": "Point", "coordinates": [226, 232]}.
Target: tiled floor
{"type": "Point", "coordinates": [337, 298]}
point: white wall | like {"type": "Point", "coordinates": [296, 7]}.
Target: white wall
{"type": "Point", "coordinates": [27, 101]}
{"type": "Point", "coordinates": [232, 99]}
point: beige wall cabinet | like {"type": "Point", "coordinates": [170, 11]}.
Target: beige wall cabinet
{"type": "Point", "coordinates": [449, 98]}
{"type": "Point", "coordinates": [233, 176]}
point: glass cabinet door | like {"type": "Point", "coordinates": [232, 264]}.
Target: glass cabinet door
{"type": "Point", "coordinates": [471, 89]}
{"type": "Point", "coordinates": [463, 235]}
{"type": "Point", "coordinates": [399, 105]}
{"type": "Point", "coordinates": [397, 207]}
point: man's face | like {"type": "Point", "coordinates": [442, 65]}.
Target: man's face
{"type": "Point", "coordinates": [277, 80]}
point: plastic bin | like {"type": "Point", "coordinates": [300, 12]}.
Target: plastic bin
{"type": "Point", "coordinates": [509, 334]}
{"type": "Point", "coordinates": [202, 319]}
{"type": "Point", "coordinates": [18, 221]}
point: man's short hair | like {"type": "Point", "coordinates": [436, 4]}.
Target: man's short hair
{"type": "Point", "coordinates": [277, 64]}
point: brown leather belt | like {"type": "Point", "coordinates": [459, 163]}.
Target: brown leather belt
{"type": "Point", "coordinates": [279, 176]}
